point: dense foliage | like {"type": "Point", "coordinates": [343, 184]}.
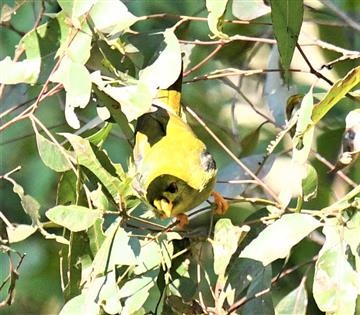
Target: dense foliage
{"type": "Point", "coordinates": [269, 86]}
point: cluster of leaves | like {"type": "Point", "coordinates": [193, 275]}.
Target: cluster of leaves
{"type": "Point", "coordinates": [114, 259]}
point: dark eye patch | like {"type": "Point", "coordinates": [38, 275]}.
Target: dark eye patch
{"type": "Point", "coordinates": [172, 188]}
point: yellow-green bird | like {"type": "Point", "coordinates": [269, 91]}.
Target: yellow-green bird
{"type": "Point", "coordinates": [174, 170]}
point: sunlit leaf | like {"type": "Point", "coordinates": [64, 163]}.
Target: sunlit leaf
{"type": "Point", "coordinates": [80, 305]}
{"type": "Point", "coordinates": [293, 303]}
{"type": "Point", "coordinates": [249, 10]}
{"type": "Point", "coordinates": [111, 16]}
{"type": "Point", "coordinates": [159, 74]}
{"type": "Point", "coordinates": [216, 10]}
{"type": "Point", "coordinates": [351, 236]}
{"type": "Point", "coordinates": [75, 8]}
{"type": "Point", "coordinates": [50, 153]}
{"type": "Point", "coordinates": [26, 71]}
{"type": "Point", "coordinates": [117, 249]}
{"type": "Point", "coordinates": [75, 218]}
{"type": "Point", "coordinates": [335, 94]}
{"type": "Point", "coordinates": [287, 18]}
{"type": "Point", "coordinates": [20, 232]}
{"type": "Point", "coordinates": [336, 284]}
{"type": "Point", "coordinates": [268, 247]}
{"type": "Point", "coordinates": [76, 80]}
{"type": "Point", "coordinates": [226, 237]}
{"type": "Point", "coordinates": [86, 157]}
{"type": "Point", "coordinates": [44, 41]}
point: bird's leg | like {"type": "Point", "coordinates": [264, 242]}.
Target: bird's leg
{"type": "Point", "coordinates": [221, 204]}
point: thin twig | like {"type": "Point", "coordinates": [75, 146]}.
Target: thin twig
{"type": "Point", "coordinates": [205, 60]}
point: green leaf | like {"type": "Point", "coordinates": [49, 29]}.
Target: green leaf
{"type": "Point", "coordinates": [20, 232]}
{"type": "Point", "coordinates": [250, 141]}
{"type": "Point", "coordinates": [310, 183]}
{"type": "Point", "coordinates": [159, 74]}
{"type": "Point", "coordinates": [241, 272]}
{"type": "Point", "coordinates": [270, 243]}
{"type": "Point", "coordinates": [111, 16]}
{"type": "Point", "coordinates": [99, 137]}
{"type": "Point", "coordinates": [136, 291]}
{"type": "Point", "coordinates": [74, 218]}
{"type": "Point", "coordinates": [44, 41]}
{"type": "Point", "coordinates": [335, 94]}
{"type": "Point", "coordinates": [29, 204]}
{"type": "Point", "coordinates": [351, 236]}
{"type": "Point", "coordinates": [26, 71]}
{"type": "Point", "coordinates": [303, 138]}
{"type": "Point", "coordinates": [86, 157]}
{"type": "Point", "coordinates": [249, 10]}
{"type": "Point", "coordinates": [50, 153]}
{"type": "Point", "coordinates": [259, 295]}
{"type": "Point", "coordinates": [134, 100]}
{"type": "Point", "coordinates": [225, 243]}
{"type": "Point", "coordinates": [76, 8]}
{"type": "Point", "coordinates": [293, 303]}
{"type": "Point", "coordinates": [336, 284]}
{"type": "Point", "coordinates": [216, 10]}
{"type": "Point", "coordinates": [80, 305]}
{"type": "Point", "coordinates": [117, 249]}
{"type": "Point", "coordinates": [286, 16]}
{"type": "Point", "coordinates": [76, 80]}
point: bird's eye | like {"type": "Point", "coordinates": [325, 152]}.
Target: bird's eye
{"type": "Point", "coordinates": [172, 188]}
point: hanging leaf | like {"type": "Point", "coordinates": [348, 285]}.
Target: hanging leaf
{"type": "Point", "coordinates": [20, 232]}
{"type": "Point", "coordinates": [268, 247]}
{"type": "Point", "coordinates": [216, 10]}
{"type": "Point", "coordinates": [287, 17]}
